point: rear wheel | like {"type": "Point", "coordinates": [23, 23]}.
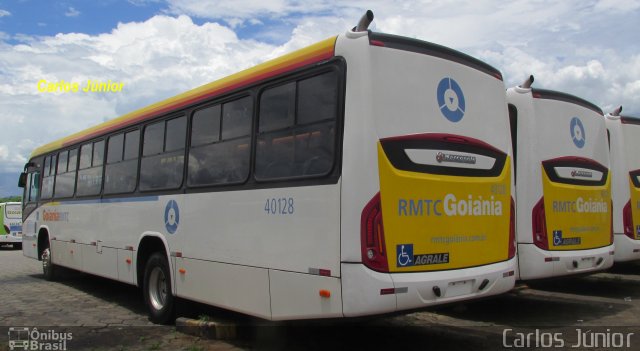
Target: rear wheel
{"type": "Point", "coordinates": [48, 269]}
{"type": "Point", "coordinates": [157, 290]}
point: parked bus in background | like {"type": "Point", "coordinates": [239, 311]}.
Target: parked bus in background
{"type": "Point", "coordinates": [563, 184]}
{"type": "Point", "coordinates": [365, 174]}
{"type": "Point", "coordinates": [11, 224]}
{"type": "Point", "coordinates": [624, 143]}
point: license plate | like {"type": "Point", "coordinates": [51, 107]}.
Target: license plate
{"type": "Point", "coordinates": [462, 287]}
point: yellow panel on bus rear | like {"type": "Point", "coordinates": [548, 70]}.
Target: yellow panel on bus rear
{"type": "Point", "coordinates": [635, 208]}
{"type": "Point", "coordinates": [578, 217]}
{"type": "Point", "coordinates": [439, 222]}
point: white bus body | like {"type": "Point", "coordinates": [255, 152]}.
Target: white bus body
{"type": "Point", "coordinates": [624, 139]}
{"type": "Point", "coordinates": [562, 184]}
{"type": "Point", "coordinates": [295, 249]}
{"type": "Point", "coordinates": [11, 223]}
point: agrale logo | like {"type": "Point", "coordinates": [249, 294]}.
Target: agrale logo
{"type": "Point", "coordinates": [582, 174]}
{"type": "Point", "coordinates": [442, 157]}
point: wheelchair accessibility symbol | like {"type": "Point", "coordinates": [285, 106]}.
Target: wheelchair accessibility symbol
{"type": "Point", "coordinates": [577, 132]}
{"type": "Point", "coordinates": [405, 255]}
{"type": "Point", "coordinates": [171, 216]}
{"type": "Point", "coordinates": [450, 99]}
{"type": "Point", "coordinates": [557, 237]}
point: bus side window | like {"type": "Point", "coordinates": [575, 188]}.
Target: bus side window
{"type": "Point", "coordinates": [300, 144]}
{"type": "Point", "coordinates": [122, 166]}
{"type": "Point", "coordinates": [90, 170]}
{"type": "Point", "coordinates": [34, 183]}
{"type": "Point", "coordinates": [225, 159]}
{"type": "Point", "coordinates": [162, 167]}
{"type": "Point", "coordinates": [47, 178]}
{"type": "Point", "coordinates": [66, 174]}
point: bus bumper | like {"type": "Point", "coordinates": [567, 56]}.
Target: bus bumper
{"type": "Point", "coordinates": [535, 263]}
{"type": "Point", "coordinates": [368, 292]}
{"type": "Point", "coordinates": [627, 249]}
{"type": "Point", "coordinates": [10, 238]}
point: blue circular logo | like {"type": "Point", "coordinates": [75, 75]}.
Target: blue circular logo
{"type": "Point", "coordinates": [171, 216]}
{"type": "Point", "coordinates": [577, 132]}
{"type": "Point", "coordinates": [450, 99]}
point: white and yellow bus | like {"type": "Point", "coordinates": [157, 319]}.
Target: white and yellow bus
{"type": "Point", "coordinates": [624, 141]}
{"type": "Point", "coordinates": [365, 174]}
{"type": "Point", "coordinates": [11, 224]}
{"type": "Point", "coordinates": [563, 183]}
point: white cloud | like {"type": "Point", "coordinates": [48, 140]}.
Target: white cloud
{"type": "Point", "coordinates": [72, 12]}
{"type": "Point", "coordinates": [4, 13]}
{"type": "Point", "coordinates": [155, 59]}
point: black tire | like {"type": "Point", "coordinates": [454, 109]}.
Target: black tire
{"type": "Point", "coordinates": [17, 246]}
{"type": "Point", "coordinates": [48, 268]}
{"type": "Point", "coordinates": [157, 290]}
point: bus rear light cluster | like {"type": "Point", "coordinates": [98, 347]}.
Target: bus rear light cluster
{"type": "Point", "coordinates": [627, 221]}
{"type": "Point", "coordinates": [372, 236]}
{"type": "Point", "coordinates": [512, 230]}
{"type": "Point", "coordinates": [539, 224]}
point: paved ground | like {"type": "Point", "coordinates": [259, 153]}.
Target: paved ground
{"type": "Point", "coordinates": [105, 315]}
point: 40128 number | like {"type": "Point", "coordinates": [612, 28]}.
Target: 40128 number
{"type": "Point", "coordinates": [279, 206]}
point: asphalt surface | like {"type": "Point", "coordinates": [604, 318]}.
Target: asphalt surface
{"type": "Point", "coordinates": [597, 312]}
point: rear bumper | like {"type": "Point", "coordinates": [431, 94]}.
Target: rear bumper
{"type": "Point", "coordinates": [535, 263]}
{"type": "Point", "coordinates": [362, 287]}
{"type": "Point", "coordinates": [627, 249]}
{"type": "Point", "coordinates": [10, 239]}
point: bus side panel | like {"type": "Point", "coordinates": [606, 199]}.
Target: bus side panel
{"type": "Point", "coordinates": [238, 288]}
{"type": "Point", "coordinates": [126, 268]}
{"type": "Point", "coordinates": [66, 254]}
{"type": "Point", "coordinates": [99, 262]}
{"type": "Point", "coordinates": [292, 228]}
{"type": "Point", "coordinates": [296, 295]}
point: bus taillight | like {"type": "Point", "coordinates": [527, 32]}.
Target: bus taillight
{"type": "Point", "coordinates": [512, 230]}
{"type": "Point", "coordinates": [539, 225]}
{"type": "Point", "coordinates": [627, 221]}
{"type": "Point", "coordinates": [372, 236]}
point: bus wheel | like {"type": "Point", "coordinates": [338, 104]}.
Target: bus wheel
{"type": "Point", "coordinates": [48, 269]}
{"type": "Point", "coordinates": [157, 290]}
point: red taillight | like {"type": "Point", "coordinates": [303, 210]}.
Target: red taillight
{"type": "Point", "coordinates": [539, 224]}
{"type": "Point", "coordinates": [372, 236]}
{"type": "Point", "coordinates": [627, 221]}
{"type": "Point", "coordinates": [512, 230]}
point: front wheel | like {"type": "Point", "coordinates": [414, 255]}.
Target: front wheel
{"type": "Point", "coordinates": [48, 269]}
{"type": "Point", "coordinates": [157, 290]}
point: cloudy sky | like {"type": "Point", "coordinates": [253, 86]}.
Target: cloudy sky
{"type": "Point", "coordinates": [158, 48]}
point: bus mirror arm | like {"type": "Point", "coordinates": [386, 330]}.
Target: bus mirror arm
{"type": "Point", "coordinates": [527, 83]}
{"type": "Point", "coordinates": [364, 22]}
{"type": "Point", "coordinates": [617, 111]}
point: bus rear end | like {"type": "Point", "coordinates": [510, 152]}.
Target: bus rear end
{"type": "Point", "coordinates": [11, 224]}
{"type": "Point", "coordinates": [427, 202]}
{"type": "Point", "coordinates": [563, 184]}
{"type": "Point", "coordinates": [624, 132]}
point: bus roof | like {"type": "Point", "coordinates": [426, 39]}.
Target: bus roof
{"type": "Point", "coordinates": [556, 95]}
{"type": "Point", "coordinates": [315, 53]}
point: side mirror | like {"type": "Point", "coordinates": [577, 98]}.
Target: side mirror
{"type": "Point", "coordinates": [22, 182]}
